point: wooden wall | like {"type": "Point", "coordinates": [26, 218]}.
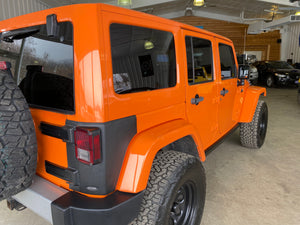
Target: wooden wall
{"type": "Point", "coordinates": [265, 42]}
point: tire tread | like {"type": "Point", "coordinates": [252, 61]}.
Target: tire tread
{"type": "Point", "coordinates": [249, 131]}
{"type": "Point", "coordinates": [18, 152]}
{"type": "Point", "coordinates": [166, 168]}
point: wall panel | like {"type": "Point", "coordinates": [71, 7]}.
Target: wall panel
{"type": "Point", "coordinates": [293, 42]}
{"type": "Point", "coordinates": [237, 32]}
{"type": "Point", "coordinates": [12, 8]}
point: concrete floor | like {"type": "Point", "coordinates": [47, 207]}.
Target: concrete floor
{"type": "Point", "coordinates": [244, 187]}
{"type": "Point", "coordinates": [259, 187]}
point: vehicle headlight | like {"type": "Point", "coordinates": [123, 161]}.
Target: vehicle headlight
{"type": "Point", "coordinates": [280, 75]}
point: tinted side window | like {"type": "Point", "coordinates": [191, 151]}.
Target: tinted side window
{"type": "Point", "coordinates": [228, 66]}
{"type": "Point", "coordinates": [199, 60]}
{"type": "Point", "coordinates": [42, 65]}
{"type": "Point", "coordinates": [143, 59]}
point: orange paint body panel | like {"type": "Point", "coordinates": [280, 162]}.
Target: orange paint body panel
{"type": "Point", "coordinates": [162, 115]}
{"type": "Point", "coordinates": [49, 148]}
{"type": "Point", "coordinates": [143, 149]}
{"type": "Point", "coordinates": [249, 103]}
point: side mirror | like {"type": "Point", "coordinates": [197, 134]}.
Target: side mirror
{"type": "Point", "coordinates": [243, 72]}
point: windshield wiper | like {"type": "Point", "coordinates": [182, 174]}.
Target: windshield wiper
{"type": "Point", "coordinates": [10, 36]}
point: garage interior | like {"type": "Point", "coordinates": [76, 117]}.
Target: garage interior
{"type": "Point", "coordinates": [244, 186]}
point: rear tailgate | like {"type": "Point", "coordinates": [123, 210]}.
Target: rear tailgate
{"type": "Point", "coordinates": [42, 66]}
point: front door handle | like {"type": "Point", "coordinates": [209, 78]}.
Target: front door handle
{"type": "Point", "coordinates": [224, 92]}
{"type": "Point", "coordinates": [197, 100]}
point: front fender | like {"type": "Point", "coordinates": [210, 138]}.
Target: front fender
{"type": "Point", "coordinates": [143, 148]}
{"type": "Point", "coordinates": [250, 101]}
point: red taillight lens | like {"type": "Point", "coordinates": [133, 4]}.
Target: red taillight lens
{"type": "Point", "coordinates": [87, 145]}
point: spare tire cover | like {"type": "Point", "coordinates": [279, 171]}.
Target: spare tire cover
{"type": "Point", "coordinates": [18, 145]}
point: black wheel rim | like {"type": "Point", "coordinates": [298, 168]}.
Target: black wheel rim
{"type": "Point", "coordinates": [184, 205]}
{"type": "Point", "coordinates": [263, 127]}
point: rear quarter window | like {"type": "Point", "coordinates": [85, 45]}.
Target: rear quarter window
{"type": "Point", "coordinates": [143, 59]}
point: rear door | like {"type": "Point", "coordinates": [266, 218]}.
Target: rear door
{"type": "Point", "coordinates": [202, 106]}
{"type": "Point", "coordinates": [142, 70]}
{"type": "Point", "coordinates": [227, 88]}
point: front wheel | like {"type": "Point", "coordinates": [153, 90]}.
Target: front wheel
{"type": "Point", "coordinates": [175, 193]}
{"type": "Point", "coordinates": [253, 134]}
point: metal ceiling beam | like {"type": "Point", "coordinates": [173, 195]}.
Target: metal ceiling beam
{"type": "Point", "coordinates": [141, 3]}
{"type": "Point", "coordinates": [147, 3]}
{"type": "Point", "coordinates": [204, 14]}
{"type": "Point", "coordinates": [280, 2]}
{"type": "Point", "coordinates": [135, 3]}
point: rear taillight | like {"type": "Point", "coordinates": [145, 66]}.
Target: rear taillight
{"type": "Point", "coordinates": [4, 65]}
{"type": "Point", "coordinates": [87, 145]}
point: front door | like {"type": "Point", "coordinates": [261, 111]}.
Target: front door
{"type": "Point", "coordinates": [227, 89]}
{"type": "Point", "coordinates": [202, 88]}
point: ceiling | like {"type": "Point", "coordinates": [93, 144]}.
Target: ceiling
{"type": "Point", "coordinates": [242, 11]}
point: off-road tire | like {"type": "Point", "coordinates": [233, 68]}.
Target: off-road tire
{"type": "Point", "coordinates": [252, 135]}
{"type": "Point", "coordinates": [18, 146]}
{"type": "Point", "coordinates": [298, 96]}
{"type": "Point", "coordinates": [173, 174]}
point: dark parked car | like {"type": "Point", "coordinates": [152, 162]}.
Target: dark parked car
{"type": "Point", "coordinates": [272, 73]}
{"type": "Point", "coordinates": [298, 95]}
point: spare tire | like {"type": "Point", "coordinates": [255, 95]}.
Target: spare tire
{"type": "Point", "coordinates": [18, 145]}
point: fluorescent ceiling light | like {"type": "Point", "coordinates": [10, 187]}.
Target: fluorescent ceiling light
{"type": "Point", "coordinates": [124, 2]}
{"type": "Point", "coordinates": [198, 2]}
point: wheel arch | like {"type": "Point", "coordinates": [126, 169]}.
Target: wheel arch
{"type": "Point", "coordinates": [250, 102]}
{"type": "Point", "coordinates": [185, 144]}
{"type": "Point", "coordinates": [144, 147]}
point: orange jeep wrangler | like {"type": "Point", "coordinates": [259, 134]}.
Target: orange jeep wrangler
{"type": "Point", "coordinates": [107, 114]}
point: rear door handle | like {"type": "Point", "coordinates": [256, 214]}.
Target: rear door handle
{"type": "Point", "coordinates": [224, 92]}
{"type": "Point", "coordinates": [196, 100]}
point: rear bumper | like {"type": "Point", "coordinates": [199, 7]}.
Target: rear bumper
{"type": "Point", "coordinates": [61, 207]}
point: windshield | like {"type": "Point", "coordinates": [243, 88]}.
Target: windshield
{"type": "Point", "coordinates": [281, 65]}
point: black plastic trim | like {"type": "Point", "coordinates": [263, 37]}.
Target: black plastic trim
{"type": "Point", "coordinates": [67, 174]}
{"type": "Point", "coordinates": [221, 140]}
{"type": "Point", "coordinates": [62, 111]}
{"type": "Point", "coordinates": [52, 25]}
{"type": "Point", "coordinates": [56, 131]}
{"type": "Point", "coordinates": [75, 209]}
{"type": "Point", "coordinates": [100, 178]}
